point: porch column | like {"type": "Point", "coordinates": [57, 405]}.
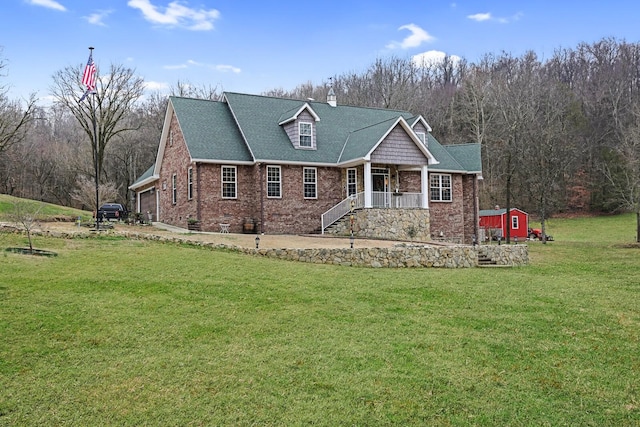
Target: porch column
{"type": "Point", "coordinates": [424, 187]}
{"type": "Point", "coordinates": [368, 186]}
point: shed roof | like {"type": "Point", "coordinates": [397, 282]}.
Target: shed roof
{"type": "Point", "coordinates": [498, 212]}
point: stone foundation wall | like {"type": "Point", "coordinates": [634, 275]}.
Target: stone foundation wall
{"type": "Point", "coordinates": [391, 224]}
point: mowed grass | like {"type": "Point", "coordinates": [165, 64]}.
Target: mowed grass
{"type": "Point", "coordinates": [124, 332]}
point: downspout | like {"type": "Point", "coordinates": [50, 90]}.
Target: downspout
{"type": "Point", "coordinates": [261, 198]}
{"type": "Point", "coordinates": [475, 207]}
{"type": "Point", "coordinates": [198, 200]}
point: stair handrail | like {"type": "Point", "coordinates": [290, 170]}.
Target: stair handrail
{"type": "Point", "coordinates": [341, 209]}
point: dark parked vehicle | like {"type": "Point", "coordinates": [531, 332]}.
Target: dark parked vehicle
{"type": "Point", "coordinates": [112, 211]}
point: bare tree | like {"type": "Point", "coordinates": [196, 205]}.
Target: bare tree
{"type": "Point", "coordinates": [14, 118]}
{"type": "Point", "coordinates": [552, 156]}
{"type": "Point", "coordinates": [25, 213]}
{"type": "Point", "coordinates": [116, 93]}
{"type": "Point", "coordinates": [187, 90]}
{"type": "Point", "coordinates": [623, 173]}
{"type": "Point", "coordinates": [514, 100]}
{"type": "Point", "coordinates": [85, 192]}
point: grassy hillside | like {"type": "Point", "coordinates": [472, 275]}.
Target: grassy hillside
{"type": "Point", "coordinates": [128, 332]}
{"type": "Point", "coordinates": [47, 211]}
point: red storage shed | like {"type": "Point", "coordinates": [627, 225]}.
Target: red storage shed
{"type": "Point", "coordinates": [493, 222]}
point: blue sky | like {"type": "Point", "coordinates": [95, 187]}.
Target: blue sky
{"type": "Point", "coordinates": [254, 46]}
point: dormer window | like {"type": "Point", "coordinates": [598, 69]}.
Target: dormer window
{"type": "Point", "coordinates": [299, 124]}
{"type": "Point", "coordinates": [422, 137]}
{"type": "Point", "coordinates": [305, 133]}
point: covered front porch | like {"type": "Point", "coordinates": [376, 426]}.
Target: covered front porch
{"type": "Point", "coordinates": [386, 187]}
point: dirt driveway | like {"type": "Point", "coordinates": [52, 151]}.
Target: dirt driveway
{"type": "Point", "coordinates": [242, 240]}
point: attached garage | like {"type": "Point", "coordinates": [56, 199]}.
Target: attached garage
{"type": "Point", "coordinates": [148, 204]}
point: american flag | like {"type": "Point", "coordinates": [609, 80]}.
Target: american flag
{"type": "Point", "coordinates": [89, 76]}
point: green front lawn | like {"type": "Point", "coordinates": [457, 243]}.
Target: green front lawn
{"type": "Point", "coordinates": [123, 332]}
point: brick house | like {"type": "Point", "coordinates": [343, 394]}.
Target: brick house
{"type": "Point", "coordinates": [284, 166]}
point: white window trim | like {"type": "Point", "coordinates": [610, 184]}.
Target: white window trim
{"type": "Point", "coordinates": [190, 183]}
{"type": "Point", "coordinates": [515, 222]}
{"type": "Point", "coordinates": [223, 182]}
{"type": "Point", "coordinates": [305, 183]}
{"type": "Point", "coordinates": [355, 176]}
{"type": "Point", "coordinates": [440, 187]}
{"type": "Point", "coordinates": [310, 134]}
{"type": "Point", "coordinates": [174, 189]}
{"type": "Point", "coordinates": [279, 196]}
{"type": "Point", "coordinates": [422, 137]}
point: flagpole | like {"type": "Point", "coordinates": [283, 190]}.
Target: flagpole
{"type": "Point", "coordinates": [95, 149]}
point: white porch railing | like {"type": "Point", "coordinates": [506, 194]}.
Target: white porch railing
{"type": "Point", "coordinates": [406, 200]}
{"type": "Point", "coordinates": [341, 209]}
{"type": "Point", "coordinates": [380, 199]}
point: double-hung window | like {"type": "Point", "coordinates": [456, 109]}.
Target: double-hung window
{"type": "Point", "coordinates": [306, 132]}
{"type": "Point", "coordinates": [229, 182]}
{"type": "Point", "coordinates": [190, 183]}
{"type": "Point", "coordinates": [440, 186]}
{"type": "Point", "coordinates": [274, 182]}
{"type": "Point", "coordinates": [174, 189]}
{"type": "Point", "coordinates": [310, 177]}
{"type": "Point", "coordinates": [352, 182]}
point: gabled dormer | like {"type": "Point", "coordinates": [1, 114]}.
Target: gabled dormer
{"type": "Point", "coordinates": [300, 126]}
{"type": "Point", "coordinates": [421, 128]}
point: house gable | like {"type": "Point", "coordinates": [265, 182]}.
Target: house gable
{"type": "Point", "coordinates": [363, 143]}
{"type": "Point", "coordinates": [398, 148]}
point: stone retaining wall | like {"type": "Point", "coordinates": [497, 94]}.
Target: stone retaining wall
{"type": "Point", "coordinates": [400, 256]}
{"type": "Point", "coordinates": [507, 255]}
{"type": "Point", "coordinates": [397, 257]}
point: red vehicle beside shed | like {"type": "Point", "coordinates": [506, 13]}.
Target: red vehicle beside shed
{"type": "Point", "coordinates": [494, 222]}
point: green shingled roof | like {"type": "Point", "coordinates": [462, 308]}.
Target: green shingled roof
{"type": "Point", "coordinates": [259, 117]}
{"type": "Point", "coordinates": [246, 128]}
{"type": "Point", "coordinates": [466, 155]}
{"type": "Point", "coordinates": [361, 141]}
{"type": "Point", "coordinates": [147, 174]}
{"type": "Point", "coordinates": [209, 130]}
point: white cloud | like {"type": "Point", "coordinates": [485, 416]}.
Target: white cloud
{"type": "Point", "coordinates": [480, 17]}
{"type": "Point", "coordinates": [227, 68]}
{"type": "Point", "coordinates": [191, 63]}
{"type": "Point", "coordinates": [159, 86]}
{"type": "Point", "coordinates": [415, 39]}
{"type": "Point", "coordinates": [177, 15]}
{"type": "Point", "coordinates": [51, 4]}
{"type": "Point", "coordinates": [98, 17]}
{"type": "Point", "coordinates": [432, 58]}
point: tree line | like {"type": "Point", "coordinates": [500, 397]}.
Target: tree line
{"type": "Point", "coordinates": [558, 135]}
